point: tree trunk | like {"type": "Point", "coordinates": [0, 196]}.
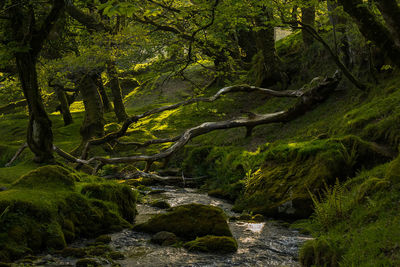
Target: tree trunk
{"type": "Point", "coordinates": [93, 123]}
{"type": "Point", "coordinates": [106, 101]}
{"type": "Point", "coordinates": [39, 134]}
{"type": "Point", "coordinates": [391, 14]}
{"type": "Point", "coordinates": [372, 28]}
{"type": "Point", "coordinates": [64, 105]}
{"type": "Point", "coordinates": [308, 17]}
{"type": "Point", "coordinates": [267, 67]}
{"type": "Point", "coordinates": [119, 107]}
{"type": "Point", "coordinates": [246, 43]}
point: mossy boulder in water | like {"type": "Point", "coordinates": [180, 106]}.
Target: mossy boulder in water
{"type": "Point", "coordinates": [213, 244]}
{"type": "Point", "coordinates": [164, 238]}
{"type": "Point", "coordinates": [121, 195]}
{"type": "Point", "coordinates": [188, 222]}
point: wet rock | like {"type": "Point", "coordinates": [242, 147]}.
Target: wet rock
{"type": "Point", "coordinates": [3, 188]}
{"type": "Point", "coordinates": [115, 255]}
{"type": "Point", "coordinates": [99, 250]}
{"type": "Point", "coordinates": [258, 218]}
{"type": "Point", "coordinates": [161, 204]}
{"type": "Point", "coordinates": [105, 239]}
{"type": "Point", "coordinates": [73, 252]}
{"type": "Point", "coordinates": [87, 263]}
{"type": "Point", "coordinates": [213, 244]}
{"type": "Point", "coordinates": [188, 222]}
{"type": "Point", "coordinates": [164, 238]}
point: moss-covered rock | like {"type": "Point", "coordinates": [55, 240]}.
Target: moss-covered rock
{"type": "Point", "coordinates": [213, 244]}
{"type": "Point", "coordinates": [188, 222]}
{"type": "Point", "coordinates": [73, 252]}
{"type": "Point", "coordinates": [280, 187]}
{"type": "Point", "coordinates": [161, 204]}
{"type": "Point", "coordinates": [115, 255]}
{"type": "Point", "coordinates": [87, 262]}
{"type": "Point", "coordinates": [164, 238]}
{"type": "Point", "coordinates": [105, 239]}
{"type": "Point", "coordinates": [121, 195]}
{"type": "Point", "coordinates": [43, 210]}
{"type": "Point", "coordinates": [51, 176]}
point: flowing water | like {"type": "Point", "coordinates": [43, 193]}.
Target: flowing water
{"type": "Point", "coordinates": [259, 244]}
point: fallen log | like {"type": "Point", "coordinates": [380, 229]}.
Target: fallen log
{"type": "Point", "coordinates": [230, 89]}
{"type": "Point", "coordinates": [308, 100]}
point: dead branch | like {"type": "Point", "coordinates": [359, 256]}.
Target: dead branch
{"type": "Point", "coordinates": [307, 101]}
{"type": "Point", "coordinates": [17, 154]}
{"type": "Point", "coordinates": [165, 180]}
{"type": "Point", "coordinates": [230, 89]}
{"type": "Point", "coordinates": [12, 106]}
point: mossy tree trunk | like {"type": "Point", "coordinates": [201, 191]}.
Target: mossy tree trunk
{"type": "Point", "coordinates": [39, 133]}
{"type": "Point", "coordinates": [28, 37]}
{"type": "Point", "coordinates": [308, 17]}
{"type": "Point", "coordinates": [106, 101]}
{"type": "Point", "coordinates": [119, 107]}
{"type": "Point", "coordinates": [372, 28]}
{"type": "Point", "coordinates": [64, 105]}
{"type": "Point", "coordinates": [390, 11]}
{"type": "Point", "coordinates": [246, 43]}
{"type": "Point", "coordinates": [268, 65]}
{"type": "Point", "coordinates": [93, 122]}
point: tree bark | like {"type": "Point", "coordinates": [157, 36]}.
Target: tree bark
{"type": "Point", "coordinates": [93, 122]}
{"type": "Point", "coordinates": [39, 133]}
{"type": "Point", "coordinates": [372, 28]}
{"type": "Point", "coordinates": [391, 14]}
{"type": "Point", "coordinates": [308, 17]}
{"type": "Point", "coordinates": [267, 68]}
{"type": "Point", "coordinates": [64, 105]}
{"type": "Point", "coordinates": [119, 107]}
{"type": "Point", "coordinates": [106, 101]}
{"type": "Point", "coordinates": [30, 37]}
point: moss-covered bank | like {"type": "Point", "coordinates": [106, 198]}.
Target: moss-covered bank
{"type": "Point", "coordinates": [44, 209]}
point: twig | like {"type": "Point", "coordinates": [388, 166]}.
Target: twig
{"type": "Point", "coordinates": [17, 154]}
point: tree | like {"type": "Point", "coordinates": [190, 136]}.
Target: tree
{"type": "Point", "coordinates": [28, 34]}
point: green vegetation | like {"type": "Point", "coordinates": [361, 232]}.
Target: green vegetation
{"type": "Point", "coordinates": [72, 71]}
{"type": "Point", "coordinates": [43, 210]}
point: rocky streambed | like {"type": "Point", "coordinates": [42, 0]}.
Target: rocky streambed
{"type": "Point", "coordinates": [261, 243]}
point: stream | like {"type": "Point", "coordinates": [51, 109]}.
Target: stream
{"type": "Point", "coordinates": [268, 243]}
{"type": "Point", "coordinates": [260, 244]}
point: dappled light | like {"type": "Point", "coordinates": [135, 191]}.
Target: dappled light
{"type": "Point", "coordinates": [199, 133]}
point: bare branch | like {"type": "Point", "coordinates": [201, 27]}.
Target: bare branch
{"type": "Point", "coordinates": [307, 101]}
{"type": "Point", "coordinates": [230, 89]}
{"type": "Point", "coordinates": [17, 154]}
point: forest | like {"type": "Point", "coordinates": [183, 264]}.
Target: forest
{"type": "Point", "coordinates": [199, 133]}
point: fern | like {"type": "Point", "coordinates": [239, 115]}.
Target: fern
{"type": "Point", "coordinates": [329, 208]}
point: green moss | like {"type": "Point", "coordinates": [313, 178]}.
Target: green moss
{"type": "Point", "coordinates": [48, 177]}
{"type": "Point", "coordinates": [87, 263]}
{"type": "Point", "coordinates": [393, 172]}
{"type": "Point", "coordinates": [188, 222]}
{"type": "Point", "coordinates": [121, 195]}
{"type": "Point", "coordinates": [161, 204]}
{"type": "Point", "coordinates": [73, 252]}
{"type": "Point", "coordinates": [213, 244]}
{"type": "Point", "coordinates": [319, 252]}
{"type": "Point", "coordinates": [105, 239]}
{"type": "Point", "coordinates": [42, 210]}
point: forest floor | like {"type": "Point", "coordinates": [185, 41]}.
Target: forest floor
{"type": "Point", "coordinates": [337, 163]}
